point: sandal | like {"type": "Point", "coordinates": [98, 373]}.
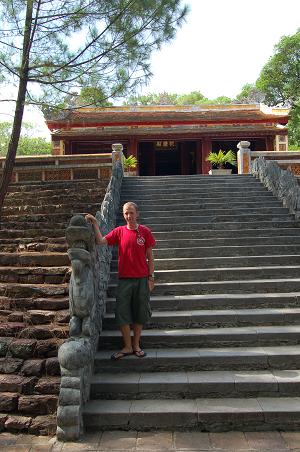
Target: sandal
{"type": "Point", "coordinates": [139, 353]}
{"type": "Point", "coordinates": [119, 355]}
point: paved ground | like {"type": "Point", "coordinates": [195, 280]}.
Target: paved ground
{"type": "Point", "coordinates": [117, 441]}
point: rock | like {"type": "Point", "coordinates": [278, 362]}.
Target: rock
{"type": "Point", "coordinates": [37, 404]}
{"type": "Point", "coordinates": [23, 348]}
{"type": "Point", "coordinates": [48, 385]}
{"type": "Point", "coordinates": [17, 423]}
{"type": "Point", "coordinates": [54, 304]}
{"type": "Point", "coordinates": [36, 332]}
{"type": "Point", "coordinates": [52, 366]}
{"type": "Point", "coordinates": [4, 344]}
{"type": "Point", "coordinates": [11, 328]}
{"type": "Point", "coordinates": [16, 317]}
{"type": "Point", "coordinates": [8, 401]}
{"type": "Point", "coordinates": [3, 418]}
{"type": "Point", "coordinates": [48, 348]}
{"type": "Point", "coordinates": [43, 425]}
{"type": "Point", "coordinates": [33, 367]}
{"type": "Point", "coordinates": [37, 317]}
{"type": "Point", "coordinates": [17, 383]}
{"type": "Point", "coordinates": [10, 365]}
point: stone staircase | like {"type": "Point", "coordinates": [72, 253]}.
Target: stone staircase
{"type": "Point", "coordinates": [222, 345]}
{"type": "Point", "coordinates": [34, 305]}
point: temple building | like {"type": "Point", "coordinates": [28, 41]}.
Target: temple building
{"type": "Point", "coordinates": [169, 139]}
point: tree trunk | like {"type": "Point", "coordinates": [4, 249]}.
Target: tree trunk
{"type": "Point", "coordinates": [19, 110]}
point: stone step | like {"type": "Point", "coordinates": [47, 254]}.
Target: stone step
{"type": "Point", "coordinates": [177, 177]}
{"type": "Point", "coordinates": [220, 274]}
{"type": "Point", "coordinates": [210, 337]}
{"type": "Point", "coordinates": [176, 219]}
{"type": "Point", "coordinates": [54, 303]}
{"type": "Point", "coordinates": [203, 204]}
{"type": "Point", "coordinates": [67, 199]}
{"type": "Point", "coordinates": [223, 262]}
{"type": "Point", "coordinates": [26, 330]}
{"type": "Point", "coordinates": [201, 192]}
{"type": "Point", "coordinates": [37, 227]}
{"type": "Point", "coordinates": [34, 259]}
{"type": "Point", "coordinates": [37, 219]}
{"type": "Point", "coordinates": [141, 181]}
{"type": "Point", "coordinates": [218, 287]}
{"type": "Point", "coordinates": [216, 318]}
{"type": "Point", "coordinates": [209, 198]}
{"type": "Point", "coordinates": [219, 301]}
{"type": "Point", "coordinates": [218, 251]}
{"type": "Point", "coordinates": [215, 242]}
{"type": "Point", "coordinates": [56, 185]}
{"type": "Point", "coordinates": [286, 357]}
{"type": "Point", "coordinates": [159, 216]}
{"type": "Point", "coordinates": [193, 384]}
{"type": "Point", "coordinates": [33, 290]}
{"type": "Point", "coordinates": [236, 226]}
{"type": "Point", "coordinates": [52, 208]}
{"type": "Point", "coordinates": [35, 275]}
{"type": "Point", "coordinates": [32, 246]}
{"type": "Point", "coordinates": [204, 414]}
{"type": "Point", "coordinates": [31, 232]}
{"type": "Point", "coordinates": [228, 233]}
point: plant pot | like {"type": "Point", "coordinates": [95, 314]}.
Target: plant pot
{"type": "Point", "coordinates": [219, 172]}
{"type": "Point", "coordinates": [129, 173]}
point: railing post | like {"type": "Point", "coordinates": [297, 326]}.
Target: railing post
{"type": "Point", "coordinates": [244, 157]}
{"type": "Point", "coordinates": [117, 153]}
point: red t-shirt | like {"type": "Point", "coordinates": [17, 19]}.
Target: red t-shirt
{"type": "Point", "coordinates": [132, 247]}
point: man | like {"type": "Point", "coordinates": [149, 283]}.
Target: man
{"type": "Point", "coordinates": [136, 277]}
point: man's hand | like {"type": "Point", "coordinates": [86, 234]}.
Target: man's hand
{"type": "Point", "coordinates": [151, 283]}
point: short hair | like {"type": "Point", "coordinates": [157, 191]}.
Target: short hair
{"type": "Point", "coordinates": [132, 204]}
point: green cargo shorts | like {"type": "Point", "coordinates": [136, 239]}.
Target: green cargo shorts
{"type": "Point", "coordinates": [133, 301]}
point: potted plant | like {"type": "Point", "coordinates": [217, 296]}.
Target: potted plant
{"type": "Point", "coordinates": [219, 160]}
{"type": "Point", "coordinates": [129, 164]}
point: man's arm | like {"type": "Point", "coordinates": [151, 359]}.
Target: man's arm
{"type": "Point", "coordinates": [100, 240]}
{"type": "Point", "coordinates": [150, 261]}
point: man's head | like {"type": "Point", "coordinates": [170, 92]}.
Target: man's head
{"type": "Point", "coordinates": [131, 213]}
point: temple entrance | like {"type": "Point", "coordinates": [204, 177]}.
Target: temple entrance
{"type": "Point", "coordinates": [166, 158]}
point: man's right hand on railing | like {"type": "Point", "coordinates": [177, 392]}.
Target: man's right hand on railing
{"type": "Point", "coordinates": [100, 240]}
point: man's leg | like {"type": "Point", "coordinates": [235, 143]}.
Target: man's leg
{"type": "Point", "coordinates": [137, 331]}
{"type": "Point", "coordinates": [125, 330]}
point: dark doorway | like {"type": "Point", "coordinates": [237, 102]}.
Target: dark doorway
{"type": "Point", "coordinates": [167, 162]}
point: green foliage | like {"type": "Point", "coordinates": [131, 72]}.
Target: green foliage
{"type": "Point", "coordinates": [92, 50]}
{"type": "Point", "coordinates": [129, 163]}
{"type": "Point", "coordinates": [220, 159]}
{"type": "Point", "coordinates": [28, 144]}
{"type": "Point", "coordinates": [192, 98]}
{"type": "Point", "coordinates": [250, 94]}
{"type": "Point", "coordinates": [279, 79]}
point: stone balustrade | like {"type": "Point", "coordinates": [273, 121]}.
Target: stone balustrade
{"type": "Point", "coordinates": [87, 295]}
{"type": "Point", "coordinates": [61, 167]}
{"type": "Point", "coordinates": [282, 183]}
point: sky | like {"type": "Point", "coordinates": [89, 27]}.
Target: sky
{"type": "Point", "coordinates": [222, 45]}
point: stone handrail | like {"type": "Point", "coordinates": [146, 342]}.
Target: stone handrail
{"type": "Point", "coordinates": [282, 183]}
{"type": "Point", "coordinates": [87, 294]}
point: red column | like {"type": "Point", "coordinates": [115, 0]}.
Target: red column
{"type": "Point", "coordinates": [184, 155]}
{"type": "Point", "coordinates": [198, 157]}
{"type": "Point", "coordinates": [133, 150]}
{"type": "Point", "coordinates": [270, 143]}
{"type": "Point", "coordinates": [206, 149]}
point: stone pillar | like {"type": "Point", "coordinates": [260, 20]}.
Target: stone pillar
{"type": "Point", "coordinates": [244, 157]}
{"type": "Point", "coordinates": [117, 153]}
{"type": "Point", "coordinates": [206, 149]}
